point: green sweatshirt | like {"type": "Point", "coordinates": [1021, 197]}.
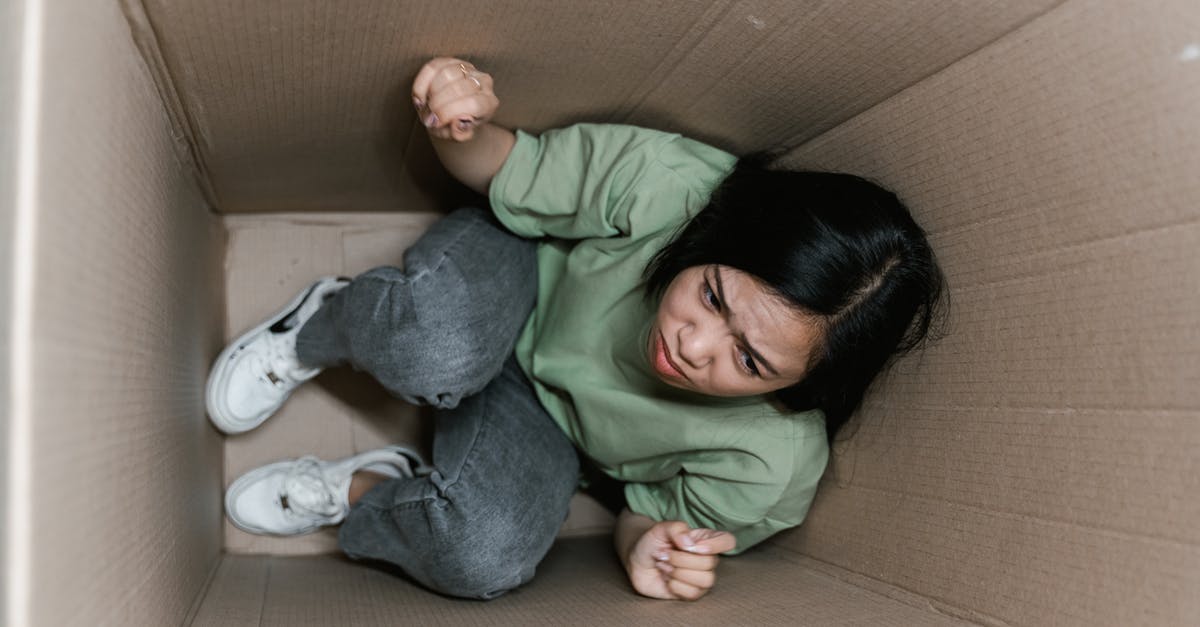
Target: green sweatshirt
{"type": "Point", "coordinates": [606, 198]}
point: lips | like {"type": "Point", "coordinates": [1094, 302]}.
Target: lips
{"type": "Point", "coordinates": [662, 360]}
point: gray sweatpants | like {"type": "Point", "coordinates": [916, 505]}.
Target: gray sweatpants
{"type": "Point", "coordinates": [441, 332]}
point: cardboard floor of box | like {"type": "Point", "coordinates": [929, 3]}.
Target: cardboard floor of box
{"type": "Point", "coordinates": [268, 260]}
{"type": "Point", "coordinates": [579, 583]}
{"type": "Point", "coordinates": [1037, 466]}
{"type": "Point", "coordinates": [343, 412]}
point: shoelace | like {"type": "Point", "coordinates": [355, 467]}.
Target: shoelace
{"type": "Point", "coordinates": [308, 489]}
{"type": "Point", "coordinates": [278, 364]}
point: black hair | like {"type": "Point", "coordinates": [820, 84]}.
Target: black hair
{"type": "Point", "coordinates": [832, 245]}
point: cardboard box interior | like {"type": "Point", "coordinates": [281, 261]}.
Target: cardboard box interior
{"type": "Point", "coordinates": [178, 169]}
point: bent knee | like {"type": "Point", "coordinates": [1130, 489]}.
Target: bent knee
{"type": "Point", "coordinates": [482, 575]}
{"type": "Point", "coordinates": [484, 558]}
{"type": "Point", "coordinates": [440, 377]}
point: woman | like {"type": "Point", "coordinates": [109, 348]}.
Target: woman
{"type": "Point", "coordinates": [693, 326]}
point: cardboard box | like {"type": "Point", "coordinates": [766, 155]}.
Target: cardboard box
{"type": "Point", "coordinates": [175, 170]}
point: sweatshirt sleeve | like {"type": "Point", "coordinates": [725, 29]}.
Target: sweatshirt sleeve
{"type": "Point", "coordinates": [752, 496]}
{"type": "Point", "coordinates": [603, 180]}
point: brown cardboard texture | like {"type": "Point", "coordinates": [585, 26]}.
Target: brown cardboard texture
{"type": "Point", "coordinates": [1056, 426]}
{"type": "Point", "coordinates": [177, 170]}
{"type": "Point", "coordinates": [306, 105]}
{"type": "Point", "coordinates": [116, 310]}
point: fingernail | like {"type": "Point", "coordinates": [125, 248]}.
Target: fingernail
{"type": "Point", "coordinates": [664, 567]}
{"type": "Point", "coordinates": [662, 556]}
{"type": "Point", "coordinates": [418, 103]}
{"type": "Point", "coordinates": [464, 125]}
{"type": "Point", "coordinates": [687, 542]}
{"type": "Point", "coordinates": [431, 121]}
{"type": "Point", "coordinates": [699, 549]}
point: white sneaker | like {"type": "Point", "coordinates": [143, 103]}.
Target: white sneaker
{"type": "Point", "coordinates": [299, 496]}
{"type": "Point", "coordinates": [256, 373]}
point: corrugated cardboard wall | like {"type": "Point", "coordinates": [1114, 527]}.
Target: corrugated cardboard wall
{"type": "Point", "coordinates": [10, 76]}
{"type": "Point", "coordinates": [127, 312]}
{"type": "Point", "coordinates": [305, 106]}
{"type": "Point", "coordinates": [1040, 465]}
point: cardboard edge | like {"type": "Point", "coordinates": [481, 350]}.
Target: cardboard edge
{"type": "Point", "coordinates": [145, 37]}
{"type": "Point", "coordinates": [202, 592]}
{"type": "Point", "coordinates": [16, 135]}
{"type": "Point", "coordinates": [888, 590]}
{"type": "Point", "coordinates": [791, 144]}
{"type": "Point", "coordinates": [237, 593]}
{"type": "Point", "coordinates": [360, 219]}
{"type": "Point", "coordinates": [220, 292]}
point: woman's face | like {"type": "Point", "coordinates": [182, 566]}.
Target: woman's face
{"type": "Point", "coordinates": [721, 332]}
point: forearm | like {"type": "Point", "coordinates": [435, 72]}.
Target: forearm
{"type": "Point", "coordinates": [630, 528]}
{"type": "Point", "coordinates": [476, 161]}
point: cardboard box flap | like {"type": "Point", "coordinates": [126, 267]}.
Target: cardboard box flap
{"type": "Point", "coordinates": [1040, 462]}
{"type": "Point", "coordinates": [120, 473]}
{"type": "Point", "coordinates": [306, 105]}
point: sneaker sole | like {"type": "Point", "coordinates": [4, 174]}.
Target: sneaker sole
{"type": "Point", "coordinates": [217, 377]}
{"type": "Point", "coordinates": [416, 468]}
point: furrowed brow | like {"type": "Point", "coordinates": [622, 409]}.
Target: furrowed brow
{"type": "Point", "coordinates": [741, 336]}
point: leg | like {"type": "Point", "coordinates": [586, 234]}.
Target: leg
{"type": "Point", "coordinates": [480, 523]}
{"type": "Point", "coordinates": [440, 329]}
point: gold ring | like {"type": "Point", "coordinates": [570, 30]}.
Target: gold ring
{"type": "Point", "coordinates": [469, 74]}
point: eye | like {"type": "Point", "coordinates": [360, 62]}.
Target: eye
{"type": "Point", "coordinates": [710, 297]}
{"type": "Point", "coordinates": [747, 363]}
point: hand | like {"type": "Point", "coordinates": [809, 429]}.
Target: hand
{"type": "Point", "coordinates": [673, 561]}
{"type": "Point", "coordinates": [453, 98]}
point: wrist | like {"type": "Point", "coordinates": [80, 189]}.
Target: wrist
{"type": "Point", "coordinates": [476, 160]}
{"type": "Point", "coordinates": [629, 530]}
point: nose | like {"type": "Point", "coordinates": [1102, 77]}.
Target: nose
{"type": "Point", "coordinates": [696, 343]}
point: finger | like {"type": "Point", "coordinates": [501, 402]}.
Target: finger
{"type": "Point", "coordinates": [441, 90]}
{"type": "Point", "coordinates": [444, 132]}
{"type": "Point", "coordinates": [684, 559]}
{"type": "Point", "coordinates": [462, 102]}
{"type": "Point", "coordinates": [458, 120]}
{"type": "Point", "coordinates": [703, 579]}
{"type": "Point", "coordinates": [454, 73]}
{"type": "Point", "coordinates": [672, 530]}
{"type": "Point", "coordinates": [460, 106]}
{"type": "Point", "coordinates": [462, 130]}
{"type": "Point", "coordinates": [685, 540]}
{"type": "Point", "coordinates": [451, 76]}
{"type": "Point", "coordinates": [685, 590]}
{"type": "Point", "coordinates": [429, 82]}
{"type": "Point", "coordinates": [707, 541]}
{"type": "Point", "coordinates": [424, 80]}
{"type": "Point", "coordinates": [719, 542]}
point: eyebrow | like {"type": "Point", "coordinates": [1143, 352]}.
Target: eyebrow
{"type": "Point", "coordinates": [741, 336]}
